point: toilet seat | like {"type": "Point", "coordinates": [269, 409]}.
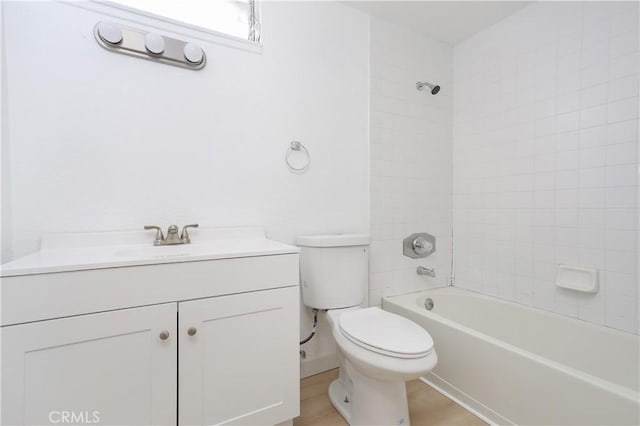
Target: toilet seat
{"type": "Point", "coordinates": [385, 333]}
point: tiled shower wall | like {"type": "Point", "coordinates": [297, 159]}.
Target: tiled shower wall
{"type": "Point", "coordinates": [411, 142]}
{"type": "Point", "coordinates": [545, 158]}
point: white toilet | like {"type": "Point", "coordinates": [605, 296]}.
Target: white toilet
{"type": "Point", "coordinates": [378, 351]}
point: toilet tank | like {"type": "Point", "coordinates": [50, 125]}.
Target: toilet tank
{"type": "Point", "coordinates": [334, 270]}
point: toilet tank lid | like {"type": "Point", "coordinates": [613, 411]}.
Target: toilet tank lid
{"type": "Point", "coordinates": [333, 240]}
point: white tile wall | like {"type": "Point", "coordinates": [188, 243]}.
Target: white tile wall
{"type": "Point", "coordinates": [545, 158]}
{"type": "Point", "coordinates": [410, 153]}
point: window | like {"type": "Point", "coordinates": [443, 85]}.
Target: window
{"type": "Point", "coordinates": [238, 18]}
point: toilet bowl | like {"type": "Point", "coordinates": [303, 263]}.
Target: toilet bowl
{"type": "Point", "coordinates": [378, 351]}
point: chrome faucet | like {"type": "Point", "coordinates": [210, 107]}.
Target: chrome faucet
{"type": "Point", "coordinates": [172, 237]}
{"type": "Point", "coordinates": [430, 272]}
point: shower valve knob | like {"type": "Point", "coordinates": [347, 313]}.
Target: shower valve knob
{"type": "Point", "coordinates": [419, 245]}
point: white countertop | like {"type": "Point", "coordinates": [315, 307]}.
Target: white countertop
{"type": "Point", "coordinates": [82, 251]}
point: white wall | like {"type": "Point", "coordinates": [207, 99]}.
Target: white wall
{"type": "Point", "coordinates": [411, 138]}
{"type": "Point", "coordinates": [102, 141]}
{"type": "Point", "coordinates": [5, 210]}
{"type": "Point", "coordinates": [545, 158]}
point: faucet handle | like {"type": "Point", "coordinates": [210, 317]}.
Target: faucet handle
{"type": "Point", "coordinates": [184, 235]}
{"type": "Point", "coordinates": [159, 234]}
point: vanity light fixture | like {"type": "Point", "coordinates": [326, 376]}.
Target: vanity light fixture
{"type": "Point", "coordinates": [193, 53]}
{"type": "Point", "coordinates": [109, 32]}
{"type": "Point", "coordinates": [154, 43]}
{"type": "Point", "coordinates": [149, 45]}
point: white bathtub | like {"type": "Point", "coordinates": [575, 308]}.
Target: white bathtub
{"type": "Point", "coordinates": [514, 364]}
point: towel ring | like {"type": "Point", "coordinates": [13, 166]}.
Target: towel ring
{"type": "Point", "coordinates": [297, 146]}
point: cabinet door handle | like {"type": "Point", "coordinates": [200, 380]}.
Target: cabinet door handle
{"type": "Point", "coordinates": [192, 331]}
{"type": "Point", "coordinates": [164, 335]}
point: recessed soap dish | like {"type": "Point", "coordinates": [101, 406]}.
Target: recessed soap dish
{"type": "Point", "coordinates": [577, 278]}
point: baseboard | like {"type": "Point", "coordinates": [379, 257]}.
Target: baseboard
{"type": "Point", "coordinates": [477, 408]}
{"type": "Point", "coordinates": [318, 365]}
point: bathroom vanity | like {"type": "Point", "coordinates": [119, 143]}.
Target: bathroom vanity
{"type": "Point", "coordinates": [105, 328]}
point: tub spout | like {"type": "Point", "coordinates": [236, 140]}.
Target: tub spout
{"type": "Point", "coordinates": [430, 272]}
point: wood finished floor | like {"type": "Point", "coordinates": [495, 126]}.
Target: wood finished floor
{"type": "Point", "coordinates": [426, 406]}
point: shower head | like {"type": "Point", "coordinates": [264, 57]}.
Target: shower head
{"type": "Point", "coordinates": [434, 87]}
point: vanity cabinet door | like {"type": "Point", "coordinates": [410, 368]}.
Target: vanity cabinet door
{"type": "Point", "coordinates": [238, 359]}
{"type": "Point", "coordinates": [117, 367]}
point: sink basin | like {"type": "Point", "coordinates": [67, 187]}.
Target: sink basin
{"type": "Point", "coordinates": [76, 252]}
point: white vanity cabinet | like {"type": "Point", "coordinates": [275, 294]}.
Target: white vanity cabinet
{"type": "Point", "coordinates": [212, 341]}
{"type": "Point", "coordinates": [111, 368]}
{"type": "Point", "coordinates": [235, 359]}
